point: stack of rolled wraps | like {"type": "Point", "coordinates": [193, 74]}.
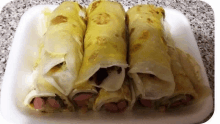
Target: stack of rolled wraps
{"type": "Point", "coordinates": [101, 83]}
{"type": "Point", "coordinates": [164, 76]}
{"type": "Point", "coordinates": [60, 57]}
{"type": "Point", "coordinates": [82, 63]}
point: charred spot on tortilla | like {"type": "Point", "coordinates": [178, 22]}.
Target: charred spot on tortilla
{"type": "Point", "coordinates": [132, 30]}
{"type": "Point", "coordinates": [145, 35]}
{"type": "Point", "coordinates": [115, 46]}
{"type": "Point", "coordinates": [93, 56]}
{"type": "Point", "coordinates": [101, 40]}
{"type": "Point", "coordinates": [101, 19]}
{"type": "Point", "coordinates": [74, 25]}
{"type": "Point", "coordinates": [95, 5]}
{"type": "Point", "coordinates": [151, 11]}
{"type": "Point", "coordinates": [59, 19]}
{"type": "Point", "coordinates": [149, 20]}
{"type": "Point", "coordinates": [135, 48]}
{"type": "Point", "coordinates": [139, 8]}
{"type": "Point", "coordinates": [124, 35]}
{"type": "Point", "coordinates": [116, 35]}
{"type": "Point", "coordinates": [101, 75]}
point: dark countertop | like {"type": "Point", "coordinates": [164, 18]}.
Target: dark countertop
{"type": "Point", "coordinates": [200, 15]}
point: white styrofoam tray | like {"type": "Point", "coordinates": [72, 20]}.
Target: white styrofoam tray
{"type": "Point", "coordinates": [24, 53]}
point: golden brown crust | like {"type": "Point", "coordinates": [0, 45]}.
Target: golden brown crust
{"type": "Point", "coordinates": [101, 19]}
{"type": "Point", "coordinates": [95, 5]}
{"type": "Point", "coordinates": [59, 19]}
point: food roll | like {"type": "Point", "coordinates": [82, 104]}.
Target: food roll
{"type": "Point", "coordinates": [44, 97]}
{"type": "Point", "coordinates": [148, 53]}
{"type": "Point", "coordinates": [193, 71]}
{"type": "Point", "coordinates": [83, 96]}
{"type": "Point", "coordinates": [189, 89]}
{"type": "Point", "coordinates": [104, 59]}
{"type": "Point", "coordinates": [63, 45]}
{"type": "Point", "coordinates": [60, 57]}
{"type": "Point", "coordinates": [105, 51]}
{"type": "Point", "coordinates": [184, 93]}
{"type": "Point", "coordinates": [116, 101]}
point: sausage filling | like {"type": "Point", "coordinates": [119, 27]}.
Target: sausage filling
{"type": "Point", "coordinates": [163, 103]}
{"type": "Point", "coordinates": [84, 100]}
{"type": "Point", "coordinates": [48, 103]}
{"type": "Point", "coordinates": [103, 73]}
{"type": "Point", "coordinates": [116, 107]}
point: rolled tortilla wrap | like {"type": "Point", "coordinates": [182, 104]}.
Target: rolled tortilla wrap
{"type": "Point", "coordinates": [184, 93]}
{"type": "Point", "coordinates": [83, 96]}
{"type": "Point", "coordinates": [104, 59]}
{"type": "Point", "coordinates": [188, 82]}
{"type": "Point", "coordinates": [62, 46]}
{"type": "Point", "coordinates": [46, 98]}
{"type": "Point", "coordinates": [116, 101]}
{"type": "Point", "coordinates": [192, 70]}
{"type": "Point", "coordinates": [60, 56]}
{"type": "Point", "coordinates": [148, 58]}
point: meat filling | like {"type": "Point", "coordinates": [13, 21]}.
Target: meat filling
{"type": "Point", "coordinates": [181, 102]}
{"type": "Point", "coordinates": [39, 103]}
{"type": "Point", "coordinates": [116, 107]}
{"type": "Point", "coordinates": [42, 103]}
{"type": "Point", "coordinates": [103, 73]}
{"type": "Point", "coordinates": [146, 103]}
{"type": "Point", "coordinates": [84, 100]}
{"type": "Point", "coordinates": [53, 103]}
